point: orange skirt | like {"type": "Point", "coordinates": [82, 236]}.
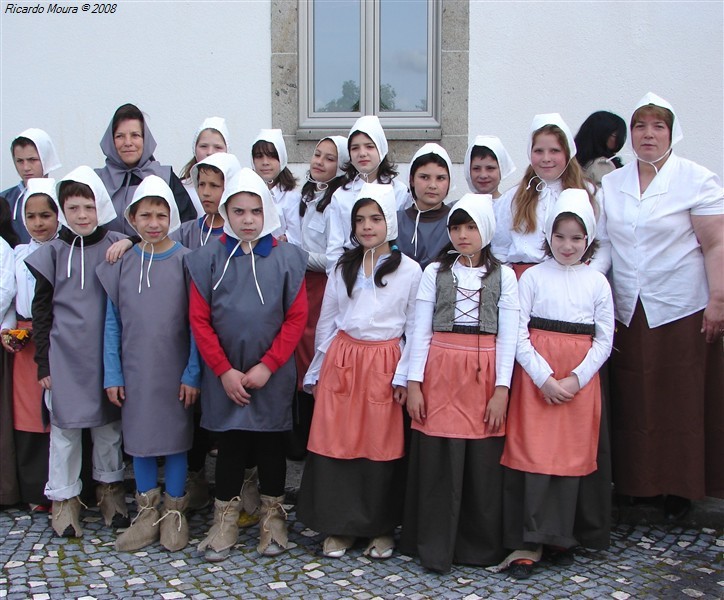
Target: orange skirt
{"type": "Point", "coordinates": [315, 283]}
{"type": "Point", "coordinates": [459, 381]}
{"type": "Point", "coordinates": [553, 439]}
{"type": "Point", "coordinates": [27, 393]}
{"type": "Point", "coordinates": [355, 415]}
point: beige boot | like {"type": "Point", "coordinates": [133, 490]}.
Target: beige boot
{"type": "Point", "coordinates": [273, 537]}
{"type": "Point", "coordinates": [250, 501]}
{"type": "Point", "coordinates": [66, 517]}
{"type": "Point", "coordinates": [224, 532]}
{"type": "Point", "coordinates": [174, 526]}
{"type": "Point", "coordinates": [111, 502]}
{"type": "Point", "coordinates": [197, 489]}
{"type": "Point", "coordinates": [144, 528]}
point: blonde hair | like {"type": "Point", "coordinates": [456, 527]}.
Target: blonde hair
{"type": "Point", "coordinates": [525, 200]}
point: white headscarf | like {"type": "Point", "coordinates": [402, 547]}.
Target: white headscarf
{"type": "Point", "coordinates": [40, 185]}
{"type": "Point", "coordinates": [248, 181]}
{"type": "Point", "coordinates": [342, 153]}
{"type": "Point", "coordinates": [227, 163]}
{"type": "Point", "coordinates": [384, 195]}
{"type": "Point", "coordinates": [480, 209]}
{"type": "Point", "coordinates": [493, 143]}
{"type": "Point", "coordinates": [551, 119]}
{"type": "Point", "coordinates": [676, 132]}
{"type": "Point", "coordinates": [46, 148]}
{"type": "Point", "coordinates": [370, 125]}
{"type": "Point", "coordinates": [154, 186]}
{"type": "Point", "coordinates": [574, 201]}
{"type": "Point", "coordinates": [216, 123]}
{"type": "Point", "coordinates": [105, 212]}
{"type": "Point", "coordinates": [276, 138]}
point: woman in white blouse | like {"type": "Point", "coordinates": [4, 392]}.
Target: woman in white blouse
{"type": "Point", "coordinates": [665, 218]}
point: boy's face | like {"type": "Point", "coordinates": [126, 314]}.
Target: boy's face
{"type": "Point", "coordinates": [210, 189]}
{"type": "Point", "coordinates": [41, 221]}
{"type": "Point", "coordinates": [246, 215]}
{"type": "Point", "coordinates": [152, 220]}
{"type": "Point", "coordinates": [27, 162]}
{"type": "Point", "coordinates": [81, 214]}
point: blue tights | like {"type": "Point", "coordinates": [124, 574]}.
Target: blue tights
{"type": "Point", "coordinates": [146, 470]}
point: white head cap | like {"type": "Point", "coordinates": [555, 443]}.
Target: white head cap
{"type": "Point", "coordinates": [432, 148]}
{"type": "Point", "coordinates": [276, 138]}
{"type": "Point", "coordinates": [247, 180]}
{"type": "Point", "coordinates": [384, 195]}
{"type": "Point", "coordinates": [40, 185]}
{"type": "Point", "coordinates": [676, 132]}
{"type": "Point", "coordinates": [104, 206]}
{"type": "Point", "coordinates": [342, 152]}
{"type": "Point", "coordinates": [216, 123]}
{"type": "Point", "coordinates": [480, 209]}
{"type": "Point", "coordinates": [505, 163]}
{"type": "Point", "coordinates": [227, 163]}
{"type": "Point", "coordinates": [370, 125]}
{"type": "Point", "coordinates": [46, 148]}
{"type": "Point", "coordinates": [551, 119]}
{"type": "Point", "coordinates": [574, 201]}
{"type": "Point", "coordinates": [154, 186]}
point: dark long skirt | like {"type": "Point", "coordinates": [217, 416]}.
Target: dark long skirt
{"type": "Point", "coordinates": [454, 502]}
{"type": "Point", "coordinates": [356, 497]}
{"type": "Point", "coordinates": [32, 459]}
{"type": "Point", "coordinates": [667, 391]}
{"type": "Point", "coordinates": [9, 488]}
{"type": "Point", "coordinates": [560, 511]}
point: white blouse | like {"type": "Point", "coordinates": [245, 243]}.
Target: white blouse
{"type": "Point", "coordinates": [510, 246]}
{"type": "Point", "coordinates": [577, 294]}
{"type": "Point", "coordinates": [7, 283]}
{"type": "Point", "coordinates": [656, 256]}
{"type": "Point", "coordinates": [287, 204]}
{"type": "Point", "coordinates": [313, 234]}
{"type": "Point", "coordinates": [372, 313]}
{"type": "Point", "coordinates": [468, 279]}
{"type": "Point", "coordinates": [340, 216]}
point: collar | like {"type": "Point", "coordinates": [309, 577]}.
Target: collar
{"type": "Point", "coordinates": [68, 236]}
{"type": "Point", "coordinates": [263, 247]}
{"type": "Point", "coordinates": [429, 215]}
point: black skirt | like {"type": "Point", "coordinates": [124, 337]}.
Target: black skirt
{"type": "Point", "coordinates": [356, 497]}
{"type": "Point", "coordinates": [454, 502]}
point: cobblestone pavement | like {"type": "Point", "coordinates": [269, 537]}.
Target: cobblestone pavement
{"type": "Point", "coordinates": [644, 561]}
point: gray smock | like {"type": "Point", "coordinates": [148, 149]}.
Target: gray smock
{"type": "Point", "coordinates": [155, 342]}
{"type": "Point", "coordinates": [76, 335]}
{"type": "Point", "coordinates": [431, 233]}
{"type": "Point", "coordinates": [246, 329]}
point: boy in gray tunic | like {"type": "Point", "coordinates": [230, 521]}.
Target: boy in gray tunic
{"type": "Point", "coordinates": [155, 382]}
{"type": "Point", "coordinates": [69, 310]}
{"type": "Point", "coordinates": [248, 309]}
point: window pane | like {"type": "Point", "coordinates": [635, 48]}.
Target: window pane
{"type": "Point", "coordinates": [403, 56]}
{"type": "Point", "coordinates": [336, 56]}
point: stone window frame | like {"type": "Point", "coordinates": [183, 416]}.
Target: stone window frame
{"type": "Point", "coordinates": [454, 71]}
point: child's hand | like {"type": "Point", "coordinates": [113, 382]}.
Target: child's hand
{"type": "Point", "coordinates": [554, 393]}
{"type": "Point", "coordinates": [45, 383]}
{"type": "Point", "coordinates": [400, 394]}
{"type": "Point", "coordinates": [116, 394]}
{"type": "Point", "coordinates": [188, 395]}
{"type": "Point", "coordinates": [257, 376]}
{"type": "Point", "coordinates": [570, 384]}
{"type": "Point", "coordinates": [497, 409]}
{"type": "Point", "coordinates": [117, 250]}
{"type": "Point", "coordinates": [7, 347]}
{"type": "Point", "coordinates": [232, 382]}
{"type": "Point", "coordinates": [415, 402]}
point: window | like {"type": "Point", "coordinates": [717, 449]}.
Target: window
{"type": "Point", "coordinates": [362, 57]}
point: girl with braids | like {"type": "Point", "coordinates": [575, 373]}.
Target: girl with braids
{"type": "Point", "coordinates": [354, 477]}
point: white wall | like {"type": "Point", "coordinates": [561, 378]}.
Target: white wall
{"type": "Point", "coordinates": [578, 57]}
{"type": "Point", "coordinates": [178, 61]}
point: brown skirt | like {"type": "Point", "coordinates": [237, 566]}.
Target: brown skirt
{"type": "Point", "coordinates": [667, 395]}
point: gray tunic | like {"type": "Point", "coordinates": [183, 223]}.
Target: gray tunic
{"type": "Point", "coordinates": [155, 343]}
{"type": "Point", "coordinates": [190, 234]}
{"type": "Point", "coordinates": [431, 234]}
{"type": "Point", "coordinates": [246, 329]}
{"type": "Point", "coordinates": [76, 336]}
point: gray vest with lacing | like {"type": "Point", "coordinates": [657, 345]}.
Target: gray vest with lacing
{"type": "Point", "coordinates": [443, 318]}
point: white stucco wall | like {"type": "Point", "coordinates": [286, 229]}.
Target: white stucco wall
{"type": "Point", "coordinates": [178, 61]}
{"type": "Point", "coordinates": [579, 57]}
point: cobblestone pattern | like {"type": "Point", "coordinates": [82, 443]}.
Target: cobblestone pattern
{"type": "Point", "coordinates": [644, 561]}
